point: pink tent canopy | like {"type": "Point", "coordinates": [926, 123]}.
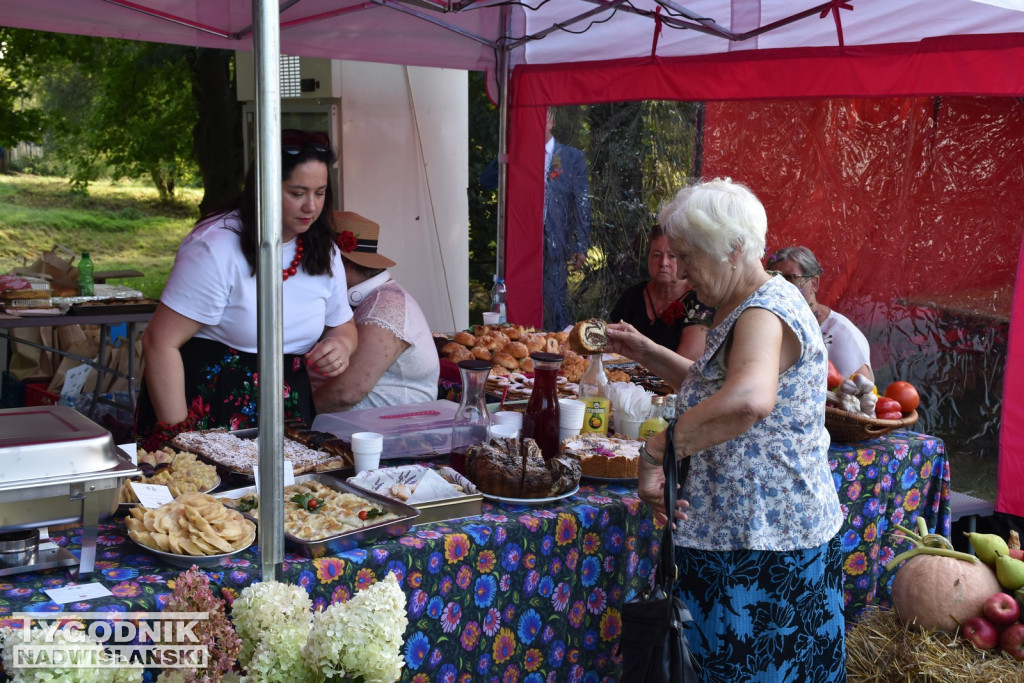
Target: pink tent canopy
{"type": "Point", "coordinates": [580, 51]}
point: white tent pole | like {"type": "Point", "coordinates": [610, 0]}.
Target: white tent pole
{"type": "Point", "coordinates": [266, 49]}
{"type": "Point", "coordinates": [503, 79]}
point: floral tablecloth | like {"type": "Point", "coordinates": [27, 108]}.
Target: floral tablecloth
{"type": "Point", "coordinates": [529, 593]}
{"type": "Point", "coordinates": [518, 594]}
{"type": "Point", "coordinates": [884, 481]}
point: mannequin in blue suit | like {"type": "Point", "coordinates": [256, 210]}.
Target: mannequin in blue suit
{"type": "Point", "coordinates": [566, 224]}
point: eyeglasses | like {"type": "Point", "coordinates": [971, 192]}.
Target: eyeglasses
{"type": "Point", "coordinates": [794, 278]}
{"type": "Point", "coordinates": [294, 141]}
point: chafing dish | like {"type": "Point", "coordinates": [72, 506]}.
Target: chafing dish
{"type": "Point", "coordinates": [57, 467]}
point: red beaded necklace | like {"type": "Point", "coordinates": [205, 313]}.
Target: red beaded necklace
{"type": "Point", "coordinates": [294, 267]}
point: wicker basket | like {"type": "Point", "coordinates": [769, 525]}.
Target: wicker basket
{"type": "Point", "coordinates": [844, 426]}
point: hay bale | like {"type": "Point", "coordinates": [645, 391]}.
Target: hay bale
{"type": "Point", "coordinates": [881, 649]}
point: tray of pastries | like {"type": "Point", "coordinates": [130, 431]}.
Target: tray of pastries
{"type": "Point", "coordinates": [236, 452]}
{"type": "Point", "coordinates": [180, 471]}
{"type": "Point", "coordinates": [324, 515]}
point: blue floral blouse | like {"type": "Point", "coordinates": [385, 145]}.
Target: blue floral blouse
{"type": "Point", "coordinates": [769, 488]}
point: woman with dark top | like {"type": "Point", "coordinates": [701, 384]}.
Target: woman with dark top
{"type": "Point", "coordinates": [665, 309]}
{"type": "Point", "coordinates": [201, 347]}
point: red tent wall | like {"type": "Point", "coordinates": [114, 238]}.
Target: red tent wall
{"type": "Point", "coordinates": [950, 211]}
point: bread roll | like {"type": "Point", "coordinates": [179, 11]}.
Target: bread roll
{"type": "Point", "coordinates": [460, 354]}
{"type": "Point", "coordinates": [465, 338]}
{"type": "Point", "coordinates": [487, 341]}
{"type": "Point", "coordinates": [451, 347]}
{"type": "Point", "coordinates": [517, 349]}
{"type": "Point", "coordinates": [481, 353]}
{"type": "Point", "coordinates": [534, 342]}
{"type": "Point", "coordinates": [506, 360]}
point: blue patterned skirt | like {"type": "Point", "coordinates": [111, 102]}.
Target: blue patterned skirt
{"type": "Point", "coordinates": [765, 616]}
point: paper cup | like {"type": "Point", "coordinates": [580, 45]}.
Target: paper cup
{"type": "Point", "coordinates": [366, 450]}
{"type": "Point", "coordinates": [500, 431]}
{"type": "Point", "coordinates": [571, 413]}
{"type": "Point", "coordinates": [491, 318]}
{"type": "Point", "coordinates": [366, 461]}
{"type": "Point", "coordinates": [628, 428]}
{"type": "Point", "coordinates": [508, 417]}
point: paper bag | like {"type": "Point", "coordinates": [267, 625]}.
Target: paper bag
{"type": "Point", "coordinates": [56, 266]}
{"type": "Point", "coordinates": [83, 341]}
{"type": "Point", "coordinates": [118, 360]}
{"type": "Point", "coordinates": [28, 362]}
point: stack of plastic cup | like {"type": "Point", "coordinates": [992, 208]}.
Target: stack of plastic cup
{"type": "Point", "coordinates": [510, 418]}
{"type": "Point", "coordinates": [570, 417]}
{"type": "Point", "coordinates": [500, 431]}
{"type": "Point", "coordinates": [366, 449]}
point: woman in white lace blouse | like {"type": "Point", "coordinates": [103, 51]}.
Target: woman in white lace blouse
{"type": "Point", "coordinates": [396, 362]}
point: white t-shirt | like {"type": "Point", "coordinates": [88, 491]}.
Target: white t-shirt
{"type": "Point", "coordinates": [211, 284]}
{"type": "Point", "coordinates": [847, 346]}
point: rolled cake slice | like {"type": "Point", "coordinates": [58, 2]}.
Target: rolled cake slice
{"type": "Point", "coordinates": [589, 336]}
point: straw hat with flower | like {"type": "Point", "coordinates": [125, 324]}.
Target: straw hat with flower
{"type": "Point", "coordinates": [357, 239]}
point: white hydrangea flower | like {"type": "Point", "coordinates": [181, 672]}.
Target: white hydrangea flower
{"type": "Point", "coordinates": [361, 637]}
{"type": "Point", "coordinates": [87, 648]}
{"type": "Point", "coordinates": [265, 608]}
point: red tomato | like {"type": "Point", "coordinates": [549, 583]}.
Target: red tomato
{"type": "Point", "coordinates": [887, 405]}
{"type": "Point", "coordinates": [894, 415]}
{"type": "Point", "coordinates": [834, 378]}
{"type": "Point", "coordinates": [906, 394]}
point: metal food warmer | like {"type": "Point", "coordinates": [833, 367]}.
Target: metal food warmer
{"type": "Point", "coordinates": [56, 467]}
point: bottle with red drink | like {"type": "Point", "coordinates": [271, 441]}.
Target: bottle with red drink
{"type": "Point", "coordinates": [540, 422]}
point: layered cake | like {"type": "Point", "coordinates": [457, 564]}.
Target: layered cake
{"type": "Point", "coordinates": [608, 457]}
{"type": "Point", "coordinates": [502, 468]}
{"type": "Point", "coordinates": [238, 455]}
{"type": "Point", "coordinates": [589, 336]}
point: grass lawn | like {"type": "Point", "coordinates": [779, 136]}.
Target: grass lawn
{"type": "Point", "coordinates": [122, 225]}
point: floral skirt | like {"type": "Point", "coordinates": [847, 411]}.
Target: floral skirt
{"type": "Point", "coordinates": [765, 616]}
{"type": "Point", "coordinates": [222, 390]}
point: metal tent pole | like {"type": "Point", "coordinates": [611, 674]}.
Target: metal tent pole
{"type": "Point", "coordinates": [267, 48]}
{"type": "Point", "coordinates": [503, 60]}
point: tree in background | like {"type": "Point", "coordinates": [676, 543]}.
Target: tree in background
{"type": "Point", "coordinates": [639, 154]}
{"type": "Point", "coordinates": [19, 119]}
{"type": "Point", "coordinates": [132, 109]}
{"type": "Point", "coordinates": [483, 204]}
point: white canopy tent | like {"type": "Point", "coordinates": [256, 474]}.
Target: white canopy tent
{"type": "Point", "coordinates": [713, 50]}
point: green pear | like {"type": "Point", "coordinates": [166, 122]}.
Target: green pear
{"type": "Point", "coordinates": [987, 546]}
{"type": "Point", "coordinates": [1010, 572]}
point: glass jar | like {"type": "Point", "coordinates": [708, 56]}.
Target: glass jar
{"type": "Point", "coordinates": [471, 419]}
{"type": "Point", "coordinates": [540, 422]}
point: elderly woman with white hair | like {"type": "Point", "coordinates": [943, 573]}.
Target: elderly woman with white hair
{"type": "Point", "coordinates": [757, 543]}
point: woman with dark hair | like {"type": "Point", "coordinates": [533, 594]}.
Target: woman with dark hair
{"type": "Point", "coordinates": [201, 345]}
{"type": "Point", "coordinates": [664, 308]}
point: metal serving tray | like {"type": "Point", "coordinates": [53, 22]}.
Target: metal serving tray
{"type": "Point", "coordinates": [349, 539]}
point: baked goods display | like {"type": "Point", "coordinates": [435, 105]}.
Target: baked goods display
{"type": "Point", "coordinates": [589, 336]}
{"type": "Point", "coordinates": [314, 511]}
{"type": "Point", "coordinates": [193, 524]}
{"type": "Point", "coordinates": [238, 455]}
{"type": "Point", "coordinates": [606, 457]}
{"type": "Point", "coordinates": [508, 468]}
{"type": "Point", "coordinates": [180, 472]}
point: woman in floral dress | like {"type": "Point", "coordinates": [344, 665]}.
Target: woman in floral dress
{"type": "Point", "coordinates": [757, 534]}
{"type": "Point", "coordinates": [201, 345]}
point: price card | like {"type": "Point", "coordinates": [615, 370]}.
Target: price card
{"type": "Point", "coordinates": [152, 495]}
{"type": "Point", "coordinates": [289, 474]}
{"type": "Point", "coordinates": [79, 593]}
{"type": "Point", "coordinates": [74, 380]}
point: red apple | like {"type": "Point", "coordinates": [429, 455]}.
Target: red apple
{"type": "Point", "coordinates": [1012, 641]}
{"type": "Point", "coordinates": [1001, 609]}
{"type": "Point", "coordinates": [981, 633]}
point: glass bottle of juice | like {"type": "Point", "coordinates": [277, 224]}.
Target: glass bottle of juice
{"type": "Point", "coordinates": [655, 421]}
{"type": "Point", "coordinates": [540, 421]}
{"type": "Point", "coordinates": [595, 397]}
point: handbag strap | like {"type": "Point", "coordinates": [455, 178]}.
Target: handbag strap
{"type": "Point", "coordinates": [674, 475]}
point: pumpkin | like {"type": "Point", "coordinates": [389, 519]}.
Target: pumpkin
{"type": "Point", "coordinates": [940, 593]}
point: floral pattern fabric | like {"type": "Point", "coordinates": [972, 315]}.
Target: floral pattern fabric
{"type": "Point", "coordinates": [529, 593]}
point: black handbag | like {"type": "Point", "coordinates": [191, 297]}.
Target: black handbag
{"type": "Point", "coordinates": [653, 644]}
